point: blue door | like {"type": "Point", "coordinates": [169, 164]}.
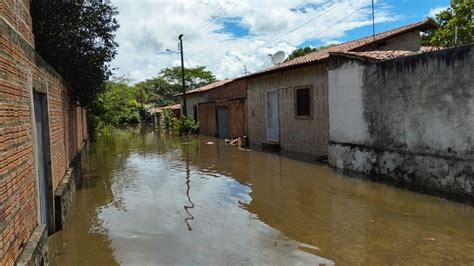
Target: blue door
{"type": "Point", "coordinates": [223, 123]}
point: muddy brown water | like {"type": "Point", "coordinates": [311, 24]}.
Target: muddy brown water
{"type": "Point", "coordinates": [148, 198]}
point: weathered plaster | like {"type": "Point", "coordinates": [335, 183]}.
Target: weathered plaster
{"type": "Point", "coordinates": [414, 116]}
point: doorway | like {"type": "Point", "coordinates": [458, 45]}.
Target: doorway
{"type": "Point", "coordinates": [223, 123]}
{"type": "Point", "coordinates": [43, 161]}
{"type": "Point", "coordinates": [272, 116]}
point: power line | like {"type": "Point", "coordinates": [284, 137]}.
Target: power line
{"type": "Point", "coordinates": [306, 23]}
{"type": "Point", "coordinates": [198, 28]}
{"type": "Point", "coordinates": [322, 31]}
{"type": "Point", "coordinates": [209, 24]}
{"type": "Point", "coordinates": [280, 16]}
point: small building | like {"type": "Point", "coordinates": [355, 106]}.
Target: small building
{"type": "Point", "coordinates": [198, 95]}
{"type": "Point", "coordinates": [220, 108]}
{"type": "Point", "coordinates": [405, 117]}
{"type": "Point", "coordinates": [155, 112]}
{"type": "Point", "coordinates": [288, 103]}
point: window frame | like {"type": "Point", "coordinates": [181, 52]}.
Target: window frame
{"type": "Point", "coordinates": [303, 117]}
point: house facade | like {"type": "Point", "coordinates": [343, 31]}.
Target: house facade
{"type": "Point", "coordinates": [220, 108]}
{"type": "Point", "coordinates": [224, 114]}
{"type": "Point", "coordinates": [198, 95]}
{"type": "Point", "coordinates": [288, 103]}
{"type": "Point", "coordinates": [41, 134]}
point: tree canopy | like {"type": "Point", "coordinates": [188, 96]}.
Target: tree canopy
{"type": "Point", "coordinates": [162, 89]}
{"type": "Point", "coordinates": [458, 20]}
{"type": "Point", "coordinates": [305, 50]}
{"type": "Point", "coordinates": [77, 39]}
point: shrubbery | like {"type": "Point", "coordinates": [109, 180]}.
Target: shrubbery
{"type": "Point", "coordinates": [184, 125]}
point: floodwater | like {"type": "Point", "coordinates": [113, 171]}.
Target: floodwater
{"type": "Point", "coordinates": [148, 198]}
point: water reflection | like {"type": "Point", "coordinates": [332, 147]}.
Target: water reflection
{"type": "Point", "coordinates": [188, 188]}
{"type": "Point", "coordinates": [246, 207]}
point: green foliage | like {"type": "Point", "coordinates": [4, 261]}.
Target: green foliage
{"type": "Point", "coordinates": [161, 90]}
{"type": "Point", "coordinates": [167, 119]}
{"type": "Point", "coordinates": [460, 16]}
{"type": "Point", "coordinates": [116, 104]}
{"type": "Point", "coordinates": [186, 125]}
{"type": "Point", "coordinates": [306, 50]}
{"type": "Point", "coordinates": [300, 52]}
{"type": "Point", "coordinates": [77, 39]}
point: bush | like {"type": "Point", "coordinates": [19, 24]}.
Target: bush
{"type": "Point", "coordinates": [186, 125]}
{"type": "Point", "coordinates": [167, 119]}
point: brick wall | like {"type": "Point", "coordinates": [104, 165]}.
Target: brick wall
{"type": "Point", "coordinates": [233, 90]}
{"type": "Point", "coordinates": [310, 136]}
{"type": "Point", "coordinates": [21, 71]}
{"type": "Point", "coordinates": [17, 14]}
{"type": "Point", "coordinates": [237, 110]}
{"type": "Point", "coordinates": [207, 119]}
{"type": "Point", "coordinates": [237, 117]}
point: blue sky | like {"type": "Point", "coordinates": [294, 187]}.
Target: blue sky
{"type": "Point", "coordinates": [230, 35]}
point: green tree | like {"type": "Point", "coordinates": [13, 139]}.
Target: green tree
{"type": "Point", "coordinates": [306, 50]}
{"type": "Point", "coordinates": [116, 104]}
{"type": "Point", "coordinates": [300, 52]}
{"type": "Point", "coordinates": [77, 39]}
{"type": "Point", "coordinates": [162, 90]}
{"type": "Point", "coordinates": [458, 20]}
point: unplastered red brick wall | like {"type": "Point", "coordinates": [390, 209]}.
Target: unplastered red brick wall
{"type": "Point", "coordinates": [207, 119]}
{"type": "Point", "coordinates": [237, 116]}
{"type": "Point", "coordinates": [232, 90]}
{"type": "Point", "coordinates": [21, 71]}
{"type": "Point", "coordinates": [17, 14]}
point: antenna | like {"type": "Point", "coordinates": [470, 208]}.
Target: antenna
{"type": "Point", "coordinates": [278, 57]}
{"type": "Point", "coordinates": [245, 70]}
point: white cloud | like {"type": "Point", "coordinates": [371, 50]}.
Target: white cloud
{"type": "Point", "coordinates": [436, 10]}
{"type": "Point", "coordinates": [149, 27]}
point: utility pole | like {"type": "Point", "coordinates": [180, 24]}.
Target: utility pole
{"type": "Point", "coordinates": [373, 19]}
{"type": "Point", "coordinates": [185, 107]}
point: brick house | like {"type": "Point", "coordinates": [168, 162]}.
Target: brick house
{"type": "Point", "coordinates": [288, 103]}
{"type": "Point", "coordinates": [41, 133]}
{"type": "Point", "coordinates": [220, 108]}
{"type": "Point", "coordinates": [155, 112]}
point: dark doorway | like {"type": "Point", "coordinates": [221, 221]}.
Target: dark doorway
{"type": "Point", "coordinates": [45, 184]}
{"type": "Point", "coordinates": [195, 113]}
{"type": "Point", "coordinates": [223, 123]}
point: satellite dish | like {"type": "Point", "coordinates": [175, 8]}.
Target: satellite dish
{"type": "Point", "coordinates": [278, 57]}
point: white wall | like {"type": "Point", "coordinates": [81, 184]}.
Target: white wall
{"type": "Point", "coordinates": [346, 121]}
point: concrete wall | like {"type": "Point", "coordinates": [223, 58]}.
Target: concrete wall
{"type": "Point", "coordinates": [192, 100]}
{"type": "Point", "coordinates": [23, 71]}
{"type": "Point", "coordinates": [301, 135]}
{"type": "Point", "coordinates": [409, 120]}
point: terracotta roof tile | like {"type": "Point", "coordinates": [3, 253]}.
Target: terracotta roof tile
{"type": "Point", "coordinates": [348, 46]}
{"type": "Point", "coordinates": [159, 109]}
{"type": "Point", "coordinates": [208, 87]}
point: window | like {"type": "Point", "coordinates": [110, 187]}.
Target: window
{"type": "Point", "coordinates": [303, 102]}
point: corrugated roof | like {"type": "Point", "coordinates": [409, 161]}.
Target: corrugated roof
{"type": "Point", "coordinates": [323, 54]}
{"type": "Point", "coordinates": [208, 87]}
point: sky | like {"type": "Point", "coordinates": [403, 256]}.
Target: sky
{"type": "Point", "coordinates": [231, 36]}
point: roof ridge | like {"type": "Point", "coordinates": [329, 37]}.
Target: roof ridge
{"type": "Point", "coordinates": [368, 38]}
